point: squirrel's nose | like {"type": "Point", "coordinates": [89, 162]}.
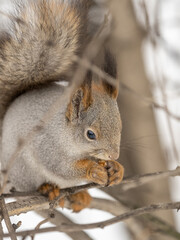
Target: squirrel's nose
{"type": "Point", "coordinates": [114, 156]}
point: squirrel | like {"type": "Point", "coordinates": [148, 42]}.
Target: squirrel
{"type": "Point", "coordinates": [81, 142]}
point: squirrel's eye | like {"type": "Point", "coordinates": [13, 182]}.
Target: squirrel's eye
{"type": "Point", "coordinates": [91, 135]}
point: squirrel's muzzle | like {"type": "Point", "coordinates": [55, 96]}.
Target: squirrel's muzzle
{"type": "Point", "coordinates": [107, 154]}
{"type": "Point", "coordinates": [113, 156]}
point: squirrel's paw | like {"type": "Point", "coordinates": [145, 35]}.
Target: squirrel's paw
{"type": "Point", "coordinates": [97, 173]}
{"type": "Point", "coordinates": [115, 171]}
{"type": "Point", "coordinates": [79, 200]}
{"type": "Point", "coordinates": [51, 191]}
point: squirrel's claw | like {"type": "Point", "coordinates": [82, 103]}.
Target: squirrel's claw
{"type": "Point", "coordinates": [51, 191]}
{"type": "Point", "coordinates": [78, 201]}
{"type": "Point", "coordinates": [115, 172]}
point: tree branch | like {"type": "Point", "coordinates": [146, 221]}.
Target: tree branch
{"type": "Point", "coordinates": [102, 224]}
{"type": "Point", "coordinates": [38, 202]}
{"type": "Point", "coordinates": [136, 181]}
{"type": "Point", "coordinates": [151, 222]}
{"type": "Point", "coordinates": [1, 228]}
{"type": "Point", "coordinates": [59, 218]}
{"type": "Point", "coordinates": [7, 219]}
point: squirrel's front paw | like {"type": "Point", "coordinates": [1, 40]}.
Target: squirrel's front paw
{"type": "Point", "coordinates": [51, 191]}
{"type": "Point", "coordinates": [97, 173]}
{"type": "Point", "coordinates": [115, 171]}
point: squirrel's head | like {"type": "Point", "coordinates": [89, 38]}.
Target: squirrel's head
{"type": "Point", "coordinates": [95, 119]}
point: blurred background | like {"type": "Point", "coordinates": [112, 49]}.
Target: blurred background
{"type": "Point", "coordinates": [146, 41]}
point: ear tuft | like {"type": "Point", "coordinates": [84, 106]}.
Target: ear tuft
{"type": "Point", "coordinates": [112, 91]}
{"type": "Point", "coordinates": [87, 94]}
{"type": "Point", "coordinates": [110, 67]}
{"type": "Point", "coordinates": [80, 102]}
{"type": "Point", "coordinates": [73, 108]}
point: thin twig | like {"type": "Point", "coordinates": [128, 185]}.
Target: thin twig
{"type": "Point", "coordinates": [161, 83]}
{"type": "Point", "coordinates": [1, 228]}
{"type": "Point", "coordinates": [136, 181]}
{"type": "Point", "coordinates": [59, 218]}
{"type": "Point", "coordinates": [40, 224]}
{"type": "Point", "coordinates": [17, 225]}
{"type": "Point", "coordinates": [157, 225]}
{"type": "Point", "coordinates": [7, 219]}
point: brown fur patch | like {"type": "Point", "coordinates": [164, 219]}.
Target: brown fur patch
{"type": "Point", "coordinates": [87, 96]}
{"type": "Point", "coordinates": [86, 100]}
{"type": "Point", "coordinates": [92, 171]}
{"type": "Point", "coordinates": [98, 87]}
{"type": "Point", "coordinates": [103, 87]}
{"type": "Point", "coordinates": [112, 91]}
{"type": "Point", "coordinates": [51, 191]}
{"type": "Point", "coordinates": [102, 172]}
{"type": "Point", "coordinates": [83, 164]}
{"type": "Point", "coordinates": [80, 200]}
{"type": "Point", "coordinates": [52, 9]}
{"type": "Point", "coordinates": [115, 172]}
{"type": "Point", "coordinates": [110, 67]}
{"type": "Point", "coordinates": [69, 111]}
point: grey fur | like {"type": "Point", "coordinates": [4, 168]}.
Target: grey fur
{"type": "Point", "coordinates": [60, 144]}
{"type": "Point", "coordinates": [35, 50]}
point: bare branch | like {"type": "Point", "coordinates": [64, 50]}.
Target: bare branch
{"type": "Point", "coordinates": [42, 222]}
{"type": "Point", "coordinates": [116, 208]}
{"type": "Point", "coordinates": [59, 218]}
{"type": "Point", "coordinates": [46, 220]}
{"type": "Point", "coordinates": [38, 202]}
{"type": "Point", "coordinates": [157, 225]}
{"type": "Point", "coordinates": [1, 228]}
{"type": "Point", "coordinates": [122, 217]}
{"type": "Point", "coordinates": [136, 181]}
{"type": "Point", "coordinates": [7, 219]}
{"type": "Point", "coordinates": [151, 222]}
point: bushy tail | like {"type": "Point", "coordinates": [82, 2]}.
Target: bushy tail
{"type": "Point", "coordinates": [39, 45]}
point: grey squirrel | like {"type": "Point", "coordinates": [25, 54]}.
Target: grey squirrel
{"type": "Point", "coordinates": [82, 140]}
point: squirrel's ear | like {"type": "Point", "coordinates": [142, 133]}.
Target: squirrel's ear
{"type": "Point", "coordinates": [110, 67]}
{"type": "Point", "coordinates": [80, 101]}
